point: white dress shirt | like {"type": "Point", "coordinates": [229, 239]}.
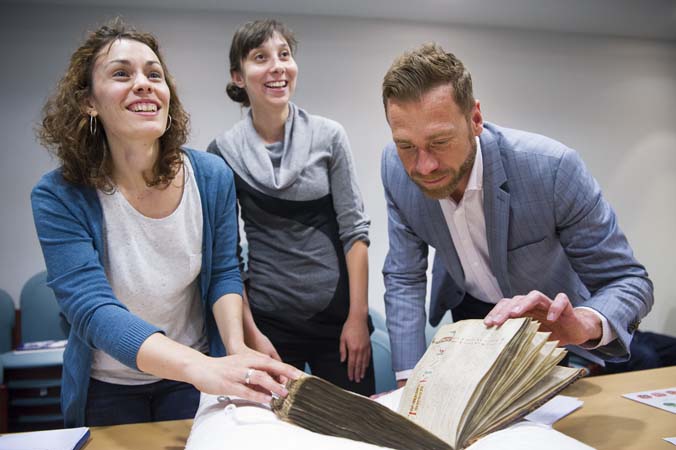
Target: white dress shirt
{"type": "Point", "coordinates": [467, 224]}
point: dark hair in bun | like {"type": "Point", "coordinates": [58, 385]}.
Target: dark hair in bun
{"type": "Point", "coordinates": [249, 36]}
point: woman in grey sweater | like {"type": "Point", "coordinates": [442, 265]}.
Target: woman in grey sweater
{"type": "Point", "coordinates": [307, 233]}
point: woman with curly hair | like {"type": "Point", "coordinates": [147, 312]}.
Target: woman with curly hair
{"type": "Point", "coordinates": [139, 238]}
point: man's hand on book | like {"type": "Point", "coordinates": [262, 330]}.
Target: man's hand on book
{"type": "Point", "coordinates": [355, 346]}
{"type": "Point", "coordinates": [567, 325]}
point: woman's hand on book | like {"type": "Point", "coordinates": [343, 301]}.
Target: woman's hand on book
{"type": "Point", "coordinates": [262, 347]}
{"type": "Point", "coordinates": [566, 324]}
{"type": "Point", "coordinates": [249, 375]}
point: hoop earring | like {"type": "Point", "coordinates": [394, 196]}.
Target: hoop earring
{"type": "Point", "coordinates": [93, 124]}
{"type": "Point", "coordinates": [168, 126]}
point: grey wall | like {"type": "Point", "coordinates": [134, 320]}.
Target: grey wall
{"type": "Point", "coordinates": [612, 99]}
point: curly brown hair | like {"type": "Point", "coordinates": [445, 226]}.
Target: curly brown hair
{"type": "Point", "coordinates": [65, 129]}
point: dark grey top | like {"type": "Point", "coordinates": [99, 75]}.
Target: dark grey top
{"type": "Point", "coordinates": [302, 211]}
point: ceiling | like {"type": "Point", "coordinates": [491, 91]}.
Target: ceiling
{"type": "Point", "coordinates": [651, 19]}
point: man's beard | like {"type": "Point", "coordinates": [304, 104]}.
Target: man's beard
{"type": "Point", "coordinates": [455, 176]}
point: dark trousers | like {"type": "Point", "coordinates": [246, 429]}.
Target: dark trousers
{"type": "Point", "coordinates": [323, 357]}
{"type": "Point", "coordinates": [115, 404]}
{"type": "Point", "coordinates": [471, 308]}
{"type": "Point", "coordinates": [648, 351]}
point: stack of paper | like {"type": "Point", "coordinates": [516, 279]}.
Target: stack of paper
{"type": "Point", "coordinates": [67, 439]}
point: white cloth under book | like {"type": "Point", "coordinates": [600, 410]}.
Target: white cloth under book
{"type": "Point", "coordinates": [220, 427]}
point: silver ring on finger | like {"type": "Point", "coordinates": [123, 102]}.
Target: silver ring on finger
{"type": "Point", "coordinates": [247, 377]}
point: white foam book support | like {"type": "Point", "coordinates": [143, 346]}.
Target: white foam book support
{"type": "Point", "coordinates": [66, 439]}
{"type": "Point", "coordinates": [219, 426]}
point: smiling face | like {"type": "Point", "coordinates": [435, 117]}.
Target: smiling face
{"type": "Point", "coordinates": [129, 95]}
{"type": "Point", "coordinates": [435, 141]}
{"type": "Point", "coordinates": [268, 74]}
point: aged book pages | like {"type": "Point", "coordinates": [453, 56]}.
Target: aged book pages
{"type": "Point", "coordinates": [473, 380]}
{"type": "Point", "coordinates": [322, 407]}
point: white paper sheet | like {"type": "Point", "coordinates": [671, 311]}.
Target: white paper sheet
{"type": "Point", "coordinates": [554, 410]}
{"type": "Point", "coordinates": [219, 427]}
{"type": "Point", "coordinates": [528, 436]}
{"type": "Point", "coordinates": [659, 398]}
{"type": "Point", "coordinates": [67, 439]}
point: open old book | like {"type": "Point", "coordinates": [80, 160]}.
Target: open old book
{"type": "Point", "coordinates": [471, 381]}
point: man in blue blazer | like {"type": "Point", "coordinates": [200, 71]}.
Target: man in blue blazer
{"type": "Point", "coordinates": [519, 226]}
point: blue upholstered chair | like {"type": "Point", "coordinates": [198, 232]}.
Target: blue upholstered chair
{"type": "Point", "coordinates": [4, 411]}
{"type": "Point", "coordinates": [382, 361]}
{"type": "Point", "coordinates": [7, 318]}
{"type": "Point", "coordinates": [378, 320]}
{"type": "Point", "coordinates": [382, 356]}
{"type": "Point", "coordinates": [33, 378]}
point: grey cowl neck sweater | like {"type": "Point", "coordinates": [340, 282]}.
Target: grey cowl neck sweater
{"type": "Point", "coordinates": [256, 167]}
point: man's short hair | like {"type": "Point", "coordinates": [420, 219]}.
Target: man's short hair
{"type": "Point", "coordinates": [416, 72]}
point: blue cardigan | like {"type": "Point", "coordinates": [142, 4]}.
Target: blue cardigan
{"type": "Point", "coordinates": [69, 223]}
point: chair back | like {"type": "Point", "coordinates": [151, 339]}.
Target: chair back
{"type": "Point", "coordinates": [4, 413]}
{"type": "Point", "coordinates": [378, 320]}
{"type": "Point", "coordinates": [41, 318]}
{"type": "Point", "coordinates": [7, 317]}
{"type": "Point", "coordinates": [382, 361]}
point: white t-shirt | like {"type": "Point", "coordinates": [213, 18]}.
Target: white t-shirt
{"type": "Point", "coordinates": [153, 267]}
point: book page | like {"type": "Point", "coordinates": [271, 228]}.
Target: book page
{"type": "Point", "coordinates": [556, 380]}
{"type": "Point", "coordinates": [518, 371]}
{"type": "Point", "coordinates": [548, 355]}
{"type": "Point", "coordinates": [465, 354]}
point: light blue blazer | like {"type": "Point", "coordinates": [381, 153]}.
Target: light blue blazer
{"type": "Point", "coordinates": [548, 228]}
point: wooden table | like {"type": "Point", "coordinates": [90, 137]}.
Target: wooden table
{"type": "Point", "coordinates": [170, 435]}
{"type": "Point", "coordinates": [606, 421]}
{"type": "Point", "coordinates": [609, 421]}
